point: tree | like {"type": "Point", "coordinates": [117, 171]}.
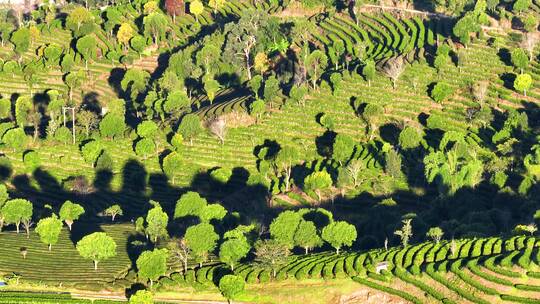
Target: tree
{"type": "Point", "coordinates": [409, 138]}
{"type": "Point", "coordinates": [335, 79]}
{"type": "Point", "coordinates": [152, 264]}
{"type": "Point", "coordinates": [392, 163]}
{"type": "Point", "coordinates": [530, 42]}
{"type": "Point", "coordinates": [339, 234]}
{"type": "Point", "coordinates": [218, 127]}
{"type": "Point", "coordinates": [134, 82]}
{"type": "Point", "coordinates": [142, 297]}
{"type": "Point", "coordinates": [393, 69]}
{"type": "Point", "coordinates": [196, 8]}
{"type": "Point", "coordinates": [479, 91]}
{"type": "Point", "coordinates": [138, 43]}
{"type": "Point", "coordinates": [354, 168]}
{"type": "Point", "coordinates": [190, 203]}
{"type": "Point", "coordinates": [285, 159]}
{"type": "Point", "coordinates": [435, 233]}
{"type": "Point", "coordinates": [216, 5]}
{"type": "Point", "coordinates": [87, 119]}
{"type": "Point", "coordinates": [74, 80]}
{"type": "Point", "coordinates": [70, 212]}
{"type": "Point", "coordinates": [211, 212]}
{"type": "Point", "coordinates": [255, 84]}
{"type": "Point", "coordinates": [174, 8]}
{"type": "Point", "coordinates": [15, 138]}
{"type": "Point", "coordinates": [233, 250]}
{"type": "Point", "coordinates": [284, 226]}
{"type": "Point", "coordinates": [371, 114]}
{"type": "Point", "coordinates": [190, 126]}
{"type": "Point", "coordinates": [112, 125]}
{"type": "Point", "coordinates": [113, 211]}
{"type": "Point", "coordinates": [298, 94]}
{"type": "Point", "coordinates": [519, 59]}
{"type": "Point", "coordinates": [124, 34]}
{"type": "Point", "coordinates": [342, 149]}
{"type": "Point", "coordinates": [211, 87]}
{"type": "Point", "coordinates": [157, 221]}
{"type": "Point", "coordinates": [49, 230]}
{"type": "Point", "coordinates": [147, 129]}
{"type": "Point", "coordinates": [369, 70]}
{"type": "Point", "coordinates": [271, 254]}
{"type": "Point", "coordinates": [231, 286]}
{"type": "Point", "coordinates": [86, 46]}
{"type": "Point", "coordinates": [77, 18]}
{"type": "Point", "coordinates": [145, 147]}
{"type": "Point", "coordinates": [17, 211]}
{"type": "Point", "coordinates": [464, 27]}
{"type": "Point", "coordinates": [155, 25]}
{"type": "Point", "coordinates": [405, 232]}
{"type": "Point", "coordinates": [97, 247]}
{"type": "Point", "coordinates": [21, 39]}
{"type": "Point", "coordinates": [306, 236]}
{"type": "Point", "coordinates": [201, 239]}
{"type": "Point", "coordinates": [316, 62]}
{"type": "Point", "coordinates": [318, 181]}
{"type": "Point", "coordinates": [441, 91]}
{"type": "Point", "coordinates": [521, 6]}
{"type": "Point", "coordinates": [522, 83]}
{"type": "Point", "coordinates": [172, 163]}
{"type": "Point", "coordinates": [180, 251]}
{"type": "Point", "coordinates": [520, 229]}
{"type": "Point", "coordinates": [257, 108]}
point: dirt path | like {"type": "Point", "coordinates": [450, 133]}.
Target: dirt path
{"type": "Point", "coordinates": [118, 297]}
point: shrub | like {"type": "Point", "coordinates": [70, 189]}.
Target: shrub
{"type": "Point", "coordinates": [63, 135]}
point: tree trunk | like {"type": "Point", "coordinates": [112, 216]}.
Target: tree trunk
{"type": "Point", "coordinates": [232, 267]}
{"type": "Point", "coordinates": [151, 283]}
{"type": "Point", "coordinates": [69, 223]}
{"type": "Point", "coordinates": [306, 250]}
{"type": "Point", "coordinates": [337, 250]}
{"type": "Point", "coordinates": [50, 247]}
{"type": "Point", "coordinates": [18, 227]}
{"type": "Point", "coordinates": [185, 265]}
{"type": "Point", "coordinates": [95, 265]}
{"type": "Point", "coordinates": [113, 216]}
{"type": "Point", "coordinates": [27, 227]}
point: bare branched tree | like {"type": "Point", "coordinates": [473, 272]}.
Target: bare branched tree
{"type": "Point", "coordinates": [529, 43]}
{"type": "Point", "coordinates": [479, 91]}
{"type": "Point", "coordinates": [218, 127]}
{"type": "Point", "coordinates": [353, 169]}
{"type": "Point", "coordinates": [180, 252]}
{"type": "Point", "coordinates": [393, 69]}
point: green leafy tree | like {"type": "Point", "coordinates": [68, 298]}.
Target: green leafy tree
{"type": "Point", "coordinates": [70, 212]}
{"type": "Point", "coordinates": [157, 221]}
{"type": "Point", "coordinates": [190, 127]}
{"type": "Point", "coordinates": [212, 212]}
{"type": "Point", "coordinates": [441, 91]}
{"type": "Point", "coordinates": [435, 233]}
{"type": "Point", "coordinates": [17, 211]}
{"type": "Point", "coordinates": [86, 46]}
{"type": "Point", "coordinates": [464, 27]}
{"type": "Point", "coordinates": [15, 138]}
{"type": "Point", "coordinates": [519, 59]}
{"type": "Point", "coordinates": [371, 115]}
{"type": "Point", "coordinates": [522, 83]}
{"type": "Point", "coordinates": [369, 71]}
{"type": "Point", "coordinates": [521, 6]}
{"type": "Point", "coordinates": [21, 39]}
{"type": "Point", "coordinates": [318, 181]}
{"type": "Point", "coordinates": [298, 94]}
{"type": "Point", "coordinates": [339, 234]}
{"type": "Point", "coordinates": [255, 84]}
{"type": "Point", "coordinates": [409, 138]}
{"type": "Point", "coordinates": [342, 148]}
{"type": "Point", "coordinates": [113, 211]}
{"type": "Point", "coordinates": [211, 87]}
{"type": "Point", "coordinates": [196, 8]}
{"type": "Point", "coordinates": [233, 250]}
{"type": "Point", "coordinates": [190, 203]}
{"type": "Point", "coordinates": [155, 25]}
{"type": "Point", "coordinates": [145, 147]}
{"type": "Point", "coordinates": [257, 108]}
{"type": "Point", "coordinates": [112, 125]}
{"type": "Point", "coordinates": [284, 226]}
{"type": "Point", "coordinates": [306, 236]}
{"type": "Point", "coordinates": [201, 239]}
{"type": "Point", "coordinates": [315, 63]}
{"type": "Point", "coordinates": [142, 297]}
{"type": "Point", "coordinates": [285, 160]}
{"type": "Point", "coordinates": [147, 129]}
{"type": "Point", "coordinates": [49, 230]}
{"type": "Point", "coordinates": [134, 82]}
{"type": "Point", "coordinates": [172, 164]}
{"type": "Point", "coordinates": [97, 247]}
{"type": "Point", "coordinates": [91, 151]}
{"type": "Point", "coordinates": [152, 264]}
{"type": "Point", "coordinates": [231, 286]}
{"type": "Point", "coordinates": [392, 163]}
